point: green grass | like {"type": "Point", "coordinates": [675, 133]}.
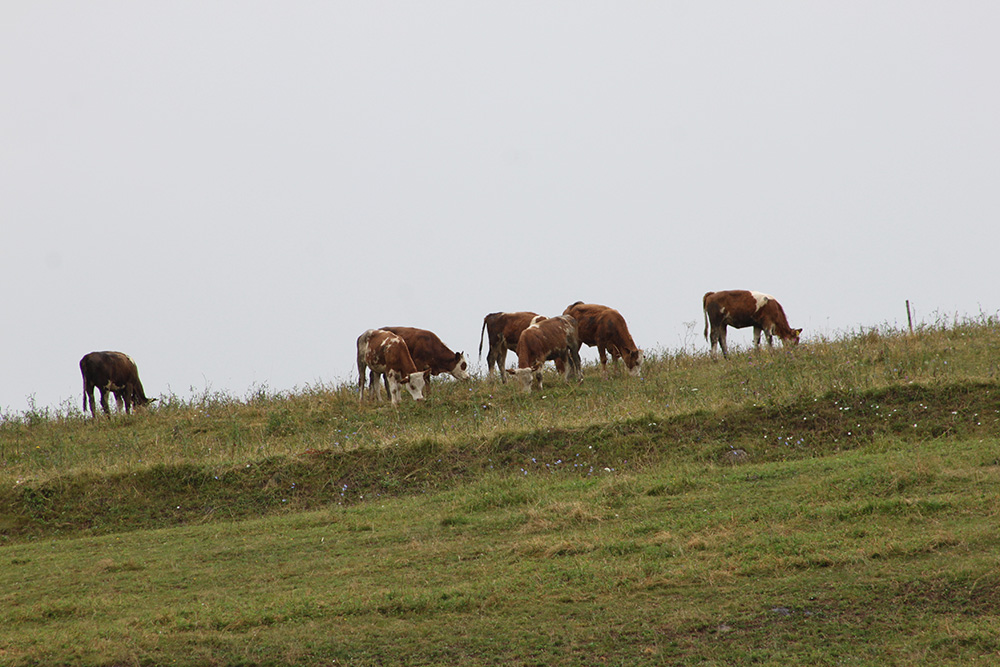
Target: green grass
{"type": "Point", "coordinates": [833, 505]}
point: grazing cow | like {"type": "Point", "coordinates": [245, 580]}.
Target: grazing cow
{"type": "Point", "coordinates": [742, 308]}
{"type": "Point", "coordinates": [605, 329]}
{"type": "Point", "coordinates": [385, 353]}
{"type": "Point", "coordinates": [429, 353]}
{"type": "Point", "coordinates": [504, 330]}
{"type": "Point", "coordinates": [547, 338]}
{"type": "Point", "coordinates": [114, 372]}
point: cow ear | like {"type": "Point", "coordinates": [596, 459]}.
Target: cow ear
{"type": "Point", "coordinates": [511, 371]}
{"type": "Point", "coordinates": [404, 379]}
{"type": "Point", "coordinates": [427, 375]}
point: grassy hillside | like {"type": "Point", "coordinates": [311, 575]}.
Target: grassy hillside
{"type": "Point", "coordinates": [834, 504]}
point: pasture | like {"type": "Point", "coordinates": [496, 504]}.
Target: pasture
{"type": "Point", "coordinates": [835, 503]}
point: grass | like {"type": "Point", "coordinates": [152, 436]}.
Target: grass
{"type": "Point", "coordinates": [832, 505]}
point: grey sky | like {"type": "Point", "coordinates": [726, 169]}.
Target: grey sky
{"type": "Point", "coordinates": [232, 191]}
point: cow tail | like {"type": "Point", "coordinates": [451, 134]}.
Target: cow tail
{"type": "Point", "coordinates": [481, 340]}
{"type": "Point", "coordinates": [704, 311]}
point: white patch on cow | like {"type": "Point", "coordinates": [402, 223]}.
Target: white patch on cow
{"type": "Point", "coordinates": [527, 377]}
{"type": "Point", "coordinates": [761, 299]}
{"type": "Point", "coordinates": [393, 378]}
{"type": "Point", "coordinates": [415, 385]}
{"type": "Point", "coordinates": [637, 369]}
{"type": "Point", "coordinates": [535, 320]}
{"type": "Point", "coordinates": [459, 371]}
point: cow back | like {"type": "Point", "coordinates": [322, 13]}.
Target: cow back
{"type": "Point", "coordinates": [545, 337]}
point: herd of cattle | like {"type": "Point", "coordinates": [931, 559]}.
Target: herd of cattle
{"type": "Point", "coordinates": [406, 358]}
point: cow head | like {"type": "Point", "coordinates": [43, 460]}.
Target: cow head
{"type": "Point", "coordinates": [530, 378]}
{"type": "Point", "coordinates": [413, 383]}
{"type": "Point", "coordinates": [633, 362]}
{"type": "Point", "coordinates": [793, 339]}
{"type": "Point", "coordinates": [460, 369]}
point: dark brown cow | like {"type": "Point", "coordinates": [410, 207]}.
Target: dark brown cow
{"type": "Point", "coordinates": [385, 353]}
{"type": "Point", "coordinates": [114, 372]}
{"type": "Point", "coordinates": [605, 329]}
{"type": "Point", "coordinates": [742, 308]}
{"type": "Point", "coordinates": [503, 331]}
{"type": "Point", "coordinates": [429, 353]}
{"type": "Point", "coordinates": [547, 338]}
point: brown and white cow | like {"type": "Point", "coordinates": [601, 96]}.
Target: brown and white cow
{"type": "Point", "coordinates": [742, 308]}
{"type": "Point", "coordinates": [115, 372]}
{"type": "Point", "coordinates": [384, 353]}
{"type": "Point", "coordinates": [547, 338]}
{"type": "Point", "coordinates": [604, 328]}
{"type": "Point", "coordinates": [503, 331]}
{"type": "Point", "coordinates": [430, 354]}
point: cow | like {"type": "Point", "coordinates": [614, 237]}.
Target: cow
{"type": "Point", "coordinates": [429, 353]}
{"type": "Point", "coordinates": [547, 338]}
{"type": "Point", "coordinates": [115, 372]}
{"type": "Point", "coordinates": [504, 330]}
{"type": "Point", "coordinates": [384, 353]}
{"type": "Point", "coordinates": [605, 329]}
{"type": "Point", "coordinates": [742, 308]}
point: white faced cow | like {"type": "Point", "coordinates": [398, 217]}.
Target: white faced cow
{"type": "Point", "coordinates": [605, 329]}
{"type": "Point", "coordinates": [547, 338]}
{"type": "Point", "coordinates": [430, 354]}
{"type": "Point", "coordinates": [114, 372]}
{"type": "Point", "coordinates": [741, 308]}
{"type": "Point", "coordinates": [503, 331]}
{"type": "Point", "coordinates": [385, 353]}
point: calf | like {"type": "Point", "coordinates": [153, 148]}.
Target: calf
{"type": "Point", "coordinates": [741, 308]}
{"type": "Point", "coordinates": [114, 372]}
{"type": "Point", "coordinates": [605, 328]}
{"type": "Point", "coordinates": [547, 338]}
{"type": "Point", "coordinates": [385, 353]}
{"type": "Point", "coordinates": [504, 330]}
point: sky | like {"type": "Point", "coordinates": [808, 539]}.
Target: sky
{"type": "Point", "coordinates": [232, 191]}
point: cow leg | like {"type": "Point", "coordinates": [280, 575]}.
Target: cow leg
{"type": "Point", "coordinates": [497, 355]}
{"type": "Point", "coordinates": [618, 359]}
{"type": "Point", "coordinates": [770, 337]}
{"type": "Point", "coordinates": [394, 389]}
{"type": "Point", "coordinates": [118, 400]}
{"type": "Point", "coordinates": [615, 355]}
{"type": "Point", "coordinates": [375, 386]}
{"type": "Point", "coordinates": [574, 364]}
{"type": "Point", "coordinates": [88, 392]}
{"type": "Point", "coordinates": [722, 342]}
{"type": "Point", "coordinates": [491, 360]}
{"type": "Point", "coordinates": [602, 354]}
{"type": "Point", "coordinates": [104, 401]}
{"type": "Point", "coordinates": [715, 339]}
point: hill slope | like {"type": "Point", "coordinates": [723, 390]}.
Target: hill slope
{"type": "Point", "coordinates": [836, 504]}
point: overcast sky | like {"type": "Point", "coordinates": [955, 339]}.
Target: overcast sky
{"type": "Point", "coordinates": [231, 192]}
